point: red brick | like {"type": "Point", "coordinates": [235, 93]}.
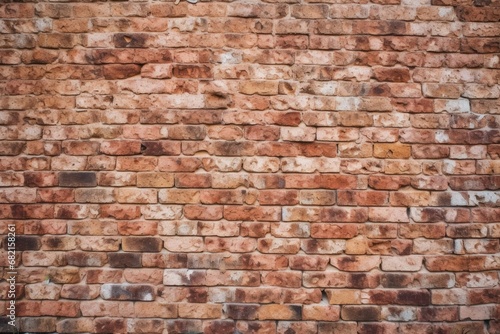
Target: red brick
{"type": "Point", "coordinates": [59, 308]}
{"type": "Point", "coordinates": [234, 245]}
{"type": "Point", "coordinates": [388, 182]}
{"type": "Point", "coordinates": [333, 231]}
{"type": "Point", "coordinates": [351, 215]}
{"type": "Point", "coordinates": [360, 313]}
{"type": "Point", "coordinates": [200, 311]}
{"type": "Point", "coordinates": [395, 74]}
{"type": "Point", "coordinates": [203, 212]}
{"type": "Point", "coordinates": [285, 279]}
{"type": "Point", "coordinates": [362, 198]}
{"type": "Point", "coordinates": [355, 263]}
{"type": "Point", "coordinates": [280, 312]}
{"type": "Point", "coordinates": [137, 164]}
{"type": "Point", "coordinates": [279, 246]}
{"type": "Point", "coordinates": [261, 262]}
{"type": "Point", "coordinates": [120, 147]}
{"type": "Point", "coordinates": [120, 211]}
{"type": "Point", "coordinates": [193, 180]}
{"type": "Point", "coordinates": [252, 213]}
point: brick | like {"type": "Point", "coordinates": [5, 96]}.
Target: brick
{"type": "Point", "coordinates": [355, 263]}
{"type": "Point", "coordinates": [222, 197]}
{"type": "Point", "coordinates": [396, 74]}
{"type": "Point", "coordinates": [164, 260]}
{"type": "Point", "coordinates": [360, 313]}
{"type": "Point", "coordinates": [124, 260]}
{"type": "Point", "coordinates": [392, 151]}
{"type": "Point", "coordinates": [127, 292]}
{"type": "Point", "coordinates": [75, 325]}
{"type": "Point", "coordinates": [242, 311]}
{"type": "Point", "coordinates": [142, 244]}
{"type": "Point", "coordinates": [100, 309]}
{"type": "Point", "coordinates": [314, 246]}
{"type": "Point", "coordinates": [77, 179]}
{"type": "Point", "coordinates": [252, 213]}
{"type": "Point", "coordinates": [280, 312]}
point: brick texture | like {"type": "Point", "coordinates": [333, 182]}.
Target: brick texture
{"type": "Point", "coordinates": [274, 166]}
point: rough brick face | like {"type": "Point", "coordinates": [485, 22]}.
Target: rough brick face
{"type": "Point", "coordinates": [276, 166]}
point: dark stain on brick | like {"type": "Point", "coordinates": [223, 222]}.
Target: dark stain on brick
{"type": "Point", "coordinates": [86, 259]}
{"type": "Point", "coordinates": [481, 3]}
{"type": "Point", "coordinates": [142, 244]}
{"type": "Point", "coordinates": [409, 297]}
{"type": "Point", "coordinates": [360, 281]}
{"type": "Point", "coordinates": [12, 148]}
{"type": "Point", "coordinates": [242, 311]}
{"type": "Point", "coordinates": [396, 280]}
{"type": "Point", "coordinates": [160, 148]}
{"type": "Point", "coordinates": [380, 90]}
{"type": "Point", "coordinates": [24, 243]}
{"type": "Point", "coordinates": [121, 71]}
{"type": "Point", "coordinates": [77, 179]}
{"type": "Point", "coordinates": [128, 292]}
{"type": "Point", "coordinates": [18, 211]}
{"type": "Point", "coordinates": [192, 71]}
{"type": "Point", "coordinates": [363, 313]}
{"type": "Point", "coordinates": [110, 325]}
{"type": "Point", "coordinates": [231, 148]}
{"type": "Point", "coordinates": [218, 100]}
{"type": "Point", "coordinates": [125, 260]}
{"type": "Point", "coordinates": [197, 277]}
{"type": "Point", "coordinates": [220, 327]}
{"type": "Point", "coordinates": [183, 326]}
{"type": "Point", "coordinates": [35, 325]}
{"type": "Point", "coordinates": [197, 295]}
{"type": "Point", "coordinates": [67, 212]}
{"type": "Point", "coordinates": [124, 40]}
{"type": "Point", "coordinates": [53, 242]}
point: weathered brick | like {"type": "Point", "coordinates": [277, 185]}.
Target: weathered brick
{"type": "Point", "coordinates": [124, 260]}
{"type": "Point", "coordinates": [127, 292]}
{"type": "Point", "coordinates": [361, 313]}
{"type": "Point", "coordinates": [106, 325]}
{"type": "Point", "coordinates": [242, 311]}
{"type": "Point", "coordinates": [77, 179]}
{"type": "Point", "coordinates": [142, 244]}
{"type": "Point", "coordinates": [197, 311]}
{"type": "Point", "coordinates": [78, 325]}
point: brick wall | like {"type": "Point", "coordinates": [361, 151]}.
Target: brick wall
{"type": "Point", "coordinates": [283, 166]}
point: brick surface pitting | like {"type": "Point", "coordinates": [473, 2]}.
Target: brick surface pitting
{"type": "Point", "coordinates": [274, 166]}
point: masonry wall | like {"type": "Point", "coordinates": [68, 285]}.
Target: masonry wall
{"type": "Point", "coordinates": [251, 167]}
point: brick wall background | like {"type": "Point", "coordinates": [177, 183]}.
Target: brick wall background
{"type": "Point", "coordinates": [284, 166]}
